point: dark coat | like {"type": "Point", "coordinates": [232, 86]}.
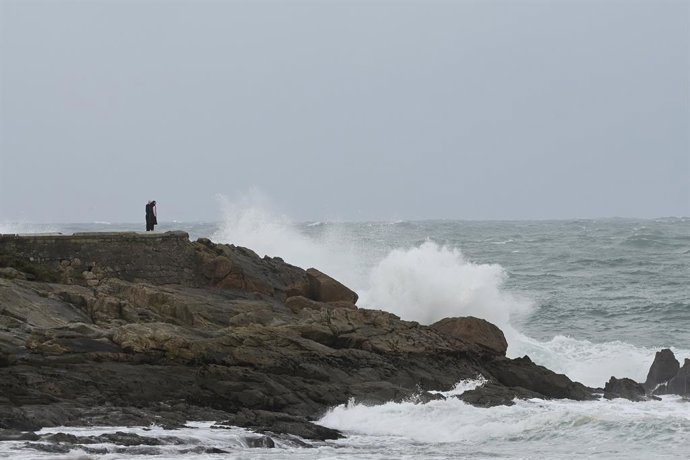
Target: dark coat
{"type": "Point", "coordinates": [150, 215]}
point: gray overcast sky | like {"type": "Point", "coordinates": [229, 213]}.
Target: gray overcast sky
{"type": "Point", "coordinates": [349, 110]}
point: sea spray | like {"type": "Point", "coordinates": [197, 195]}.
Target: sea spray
{"type": "Point", "coordinates": [431, 282]}
{"type": "Point", "coordinates": [251, 222]}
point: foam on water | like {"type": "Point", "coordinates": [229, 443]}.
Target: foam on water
{"type": "Point", "coordinates": [555, 427]}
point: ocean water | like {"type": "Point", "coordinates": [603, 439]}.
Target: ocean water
{"type": "Point", "coordinates": [588, 298]}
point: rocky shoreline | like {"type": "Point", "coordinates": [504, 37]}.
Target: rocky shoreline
{"type": "Point", "coordinates": [125, 329]}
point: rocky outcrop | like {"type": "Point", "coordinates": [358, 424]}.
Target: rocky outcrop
{"type": "Point", "coordinates": [665, 376]}
{"type": "Point", "coordinates": [474, 330]}
{"type": "Point", "coordinates": [132, 329]}
{"type": "Point", "coordinates": [664, 367]}
{"type": "Point", "coordinates": [523, 373]}
{"type": "Point", "coordinates": [624, 388]}
{"type": "Point", "coordinates": [492, 394]}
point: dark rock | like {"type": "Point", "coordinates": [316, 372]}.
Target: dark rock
{"type": "Point", "coordinates": [624, 388]}
{"type": "Point", "coordinates": [7, 359]}
{"type": "Point", "coordinates": [474, 330]}
{"type": "Point", "coordinates": [264, 421]}
{"type": "Point", "coordinates": [664, 367]}
{"type": "Point", "coordinates": [213, 450]}
{"type": "Point", "coordinates": [259, 441]}
{"type": "Point", "coordinates": [50, 448]}
{"type": "Point", "coordinates": [16, 435]}
{"type": "Point", "coordinates": [66, 438]}
{"type": "Point", "coordinates": [93, 451]}
{"type": "Point", "coordinates": [523, 373]}
{"type": "Point", "coordinates": [680, 384]}
{"type": "Point", "coordinates": [491, 394]}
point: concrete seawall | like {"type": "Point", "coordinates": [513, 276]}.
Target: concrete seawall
{"type": "Point", "coordinates": [86, 258]}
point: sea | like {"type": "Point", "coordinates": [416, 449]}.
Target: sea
{"type": "Point", "coordinates": [590, 298]}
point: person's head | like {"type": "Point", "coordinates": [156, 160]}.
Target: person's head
{"type": "Point", "coordinates": [153, 202]}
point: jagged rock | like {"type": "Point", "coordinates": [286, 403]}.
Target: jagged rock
{"type": "Point", "coordinates": [680, 383]}
{"type": "Point", "coordinates": [664, 367]}
{"type": "Point", "coordinates": [323, 288]}
{"type": "Point", "coordinates": [474, 330]}
{"type": "Point", "coordinates": [624, 388]}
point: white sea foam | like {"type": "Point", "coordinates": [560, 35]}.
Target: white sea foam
{"type": "Point", "coordinates": [430, 282]}
{"type": "Point", "coordinates": [555, 427]}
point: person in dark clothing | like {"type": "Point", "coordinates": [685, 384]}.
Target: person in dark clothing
{"type": "Point", "coordinates": [151, 219]}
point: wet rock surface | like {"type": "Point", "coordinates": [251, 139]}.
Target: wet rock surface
{"type": "Point", "coordinates": [132, 329]}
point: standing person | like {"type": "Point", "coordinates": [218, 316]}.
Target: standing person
{"type": "Point", "coordinates": [151, 219]}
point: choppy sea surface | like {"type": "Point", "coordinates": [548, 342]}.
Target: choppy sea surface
{"type": "Point", "coordinates": [588, 298]}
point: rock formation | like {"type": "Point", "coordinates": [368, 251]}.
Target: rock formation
{"type": "Point", "coordinates": [664, 367]}
{"type": "Point", "coordinates": [665, 376]}
{"type": "Point", "coordinates": [476, 331]}
{"type": "Point", "coordinates": [625, 388]}
{"type": "Point", "coordinates": [134, 329]}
